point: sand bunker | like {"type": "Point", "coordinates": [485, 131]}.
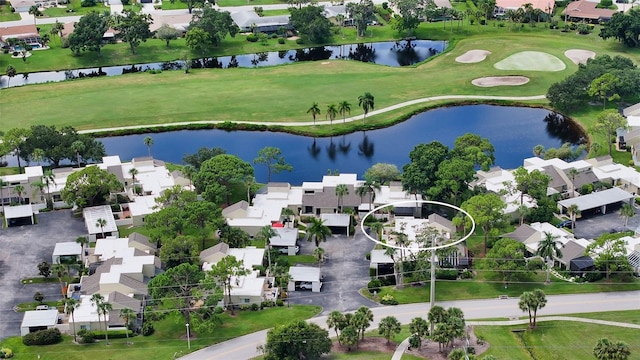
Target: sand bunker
{"type": "Point", "coordinates": [531, 61]}
{"type": "Point", "coordinates": [491, 81]}
{"type": "Point", "coordinates": [473, 56]}
{"type": "Point", "coordinates": [579, 56]}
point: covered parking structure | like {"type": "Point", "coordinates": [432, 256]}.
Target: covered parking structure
{"type": "Point", "coordinates": [301, 274]}
{"type": "Point", "coordinates": [18, 215]}
{"type": "Point", "coordinates": [338, 223]}
{"type": "Point", "coordinates": [597, 202]}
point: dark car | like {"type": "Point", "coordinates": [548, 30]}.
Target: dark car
{"type": "Point", "coordinates": [564, 224]}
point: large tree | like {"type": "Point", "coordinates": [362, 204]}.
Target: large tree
{"type": "Point", "coordinates": [549, 248]}
{"type": "Point", "coordinates": [472, 147]}
{"type": "Point", "coordinates": [362, 14]}
{"type": "Point", "coordinates": [610, 254]}
{"type": "Point", "coordinates": [311, 23]}
{"type": "Point", "coordinates": [167, 33]}
{"type": "Point", "coordinates": [133, 28]}
{"type": "Point", "coordinates": [55, 145]}
{"type": "Point", "coordinates": [420, 174]}
{"type": "Point", "coordinates": [624, 27]}
{"type": "Point", "coordinates": [297, 340]}
{"type": "Point", "coordinates": [203, 154]}
{"type": "Point", "coordinates": [217, 24]}
{"type": "Point", "coordinates": [218, 174]}
{"type": "Point", "coordinates": [506, 258]}
{"type": "Point", "coordinates": [12, 142]}
{"type": "Point", "coordinates": [607, 123]}
{"type": "Point", "coordinates": [533, 183]}
{"type": "Point", "coordinates": [382, 173]}
{"type": "Point", "coordinates": [273, 159]}
{"type": "Point", "coordinates": [604, 87]}
{"type": "Point", "coordinates": [487, 211]}
{"type": "Point", "coordinates": [223, 271]}
{"type": "Point", "coordinates": [531, 302]}
{"type": "Point", "coordinates": [179, 250]}
{"type": "Point", "coordinates": [89, 187]}
{"type": "Point", "coordinates": [454, 176]}
{"type": "Point", "coordinates": [409, 18]}
{"type": "Point", "coordinates": [88, 33]}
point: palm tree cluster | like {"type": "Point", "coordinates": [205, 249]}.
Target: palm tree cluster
{"type": "Point", "coordinates": [350, 327]}
{"type": "Point", "coordinates": [365, 101]}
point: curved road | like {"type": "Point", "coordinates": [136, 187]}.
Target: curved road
{"type": "Point", "coordinates": [309, 123]}
{"type": "Point", "coordinates": [245, 347]}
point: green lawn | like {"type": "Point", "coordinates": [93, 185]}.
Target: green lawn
{"type": "Point", "coordinates": [275, 12]}
{"type": "Point", "coordinates": [6, 14]}
{"type": "Point", "coordinates": [167, 339]}
{"type": "Point", "coordinates": [76, 7]}
{"type": "Point", "coordinates": [554, 340]}
{"type": "Point", "coordinates": [223, 3]}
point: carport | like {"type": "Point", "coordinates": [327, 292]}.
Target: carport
{"type": "Point", "coordinates": [18, 215]}
{"type": "Point", "coordinates": [38, 320]}
{"type": "Point", "coordinates": [67, 253]}
{"type": "Point", "coordinates": [597, 200]}
{"type": "Point", "coordinates": [286, 238]}
{"type": "Point", "coordinates": [304, 274]}
{"type": "Point", "coordinates": [338, 223]}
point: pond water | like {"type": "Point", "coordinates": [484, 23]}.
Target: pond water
{"type": "Point", "coordinates": [398, 53]}
{"type": "Point", "coordinates": [514, 131]}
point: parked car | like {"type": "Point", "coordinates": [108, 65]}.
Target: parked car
{"type": "Point", "coordinates": [305, 285]}
{"type": "Point", "coordinates": [42, 307]}
{"type": "Point", "coordinates": [285, 250]}
{"type": "Point", "coordinates": [564, 224]}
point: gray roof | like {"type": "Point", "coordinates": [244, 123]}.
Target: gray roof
{"type": "Point", "coordinates": [125, 301]}
{"type": "Point", "coordinates": [554, 175]}
{"type": "Point", "coordinates": [231, 208]}
{"type": "Point", "coordinates": [437, 219]}
{"type": "Point", "coordinates": [633, 110]}
{"type": "Point", "coordinates": [132, 283]}
{"type": "Point", "coordinates": [219, 247]}
{"type": "Point", "coordinates": [521, 233]}
{"type": "Point", "coordinates": [571, 250]}
{"type": "Point", "coordinates": [244, 20]}
{"type": "Point", "coordinates": [91, 284]}
{"type": "Point", "coordinates": [583, 178]}
{"type": "Point", "coordinates": [141, 239]}
{"type": "Point", "coordinates": [328, 198]}
{"type": "Point", "coordinates": [597, 199]}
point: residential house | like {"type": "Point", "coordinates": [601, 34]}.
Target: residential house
{"type": "Point", "coordinates": [93, 216]}
{"type": "Point", "coordinates": [584, 10]}
{"type": "Point", "coordinates": [502, 6]}
{"type": "Point", "coordinates": [247, 21]}
{"type": "Point", "coordinates": [27, 33]}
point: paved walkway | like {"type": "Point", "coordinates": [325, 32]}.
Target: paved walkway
{"type": "Point", "coordinates": [310, 123]}
{"type": "Point", "coordinates": [397, 355]}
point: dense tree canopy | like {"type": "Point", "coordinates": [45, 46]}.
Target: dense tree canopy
{"type": "Point", "coordinates": [217, 24]}
{"type": "Point", "coordinates": [420, 174]}
{"type": "Point", "coordinates": [218, 174]}
{"type": "Point", "coordinates": [88, 33]}
{"type": "Point", "coordinates": [90, 186]}
{"type": "Point", "coordinates": [362, 14]}
{"type": "Point", "coordinates": [297, 340]}
{"type": "Point", "coordinates": [56, 145]}
{"type": "Point", "coordinates": [133, 28]}
{"type": "Point", "coordinates": [311, 23]}
{"type": "Point", "coordinates": [203, 154]}
{"type": "Point", "coordinates": [382, 173]}
{"type": "Point", "coordinates": [487, 211]}
{"type": "Point", "coordinates": [409, 18]}
{"type": "Point", "coordinates": [507, 259]}
{"type": "Point", "coordinates": [624, 27]}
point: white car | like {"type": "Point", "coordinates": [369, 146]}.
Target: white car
{"type": "Point", "coordinates": [305, 285]}
{"type": "Point", "coordinates": [285, 250]}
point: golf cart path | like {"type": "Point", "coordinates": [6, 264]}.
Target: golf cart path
{"type": "Point", "coordinates": [311, 123]}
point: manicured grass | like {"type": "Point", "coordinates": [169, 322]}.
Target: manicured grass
{"type": "Point", "coordinates": [77, 8]}
{"type": "Point", "coordinates": [33, 304]}
{"type": "Point", "coordinates": [8, 170]}
{"type": "Point", "coordinates": [627, 316]}
{"type": "Point", "coordinates": [6, 14]}
{"type": "Point", "coordinates": [168, 5]}
{"type": "Point", "coordinates": [554, 340]}
{"type": "Point", "coordinates": [301, 259]}
{"type": "Point", "coordinates": [39, 280]}
{"type": "Point", "coordinates": [167, 339]}
{"type": "Point", "coordinates": [275, 12]}
{"type": "Point", "coordinates": [223, 3]}
{"type": "Point", "coordinates": [125, 230]}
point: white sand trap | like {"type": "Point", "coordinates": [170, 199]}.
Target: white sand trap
{"type": "Point", "coordinates": [473, 56]}
{"type": "Point", "coordinates": [579, 56]}
{"type": "Point", "coordinates": [531, 61]}
{"type": "Point", "coordinates": [491, 81]}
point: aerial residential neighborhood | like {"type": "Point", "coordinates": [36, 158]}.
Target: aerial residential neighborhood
{"type": "Point", "coordinates": [313, 180]}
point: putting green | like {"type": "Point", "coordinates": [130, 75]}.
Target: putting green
{"type": "Point", "coordinates": [531, 61]}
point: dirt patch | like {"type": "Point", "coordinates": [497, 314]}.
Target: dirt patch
{"type": "Point", "coordinates": [531, 61]}
{"type": "Point", "coordinates": [367, 344]}
{"type": "Point", "coordinates": [473, 56]}
{"type": "Point", "coordinates": [491, 81]}
{"type": "Point", "coordinates": [578, 56]}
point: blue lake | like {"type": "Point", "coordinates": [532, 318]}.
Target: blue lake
{"type": "Point", "coordinates": [514, 131]}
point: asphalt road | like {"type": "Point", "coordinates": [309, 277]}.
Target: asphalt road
{"type": "Point", "coordinates": [245, 347]}
{"type": "Point", "coordinates": [21, 249]}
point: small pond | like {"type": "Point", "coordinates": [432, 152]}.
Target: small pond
{"type": "Point", "coordinates": [391, 53]}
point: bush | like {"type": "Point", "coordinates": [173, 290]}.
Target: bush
{"type": "Point", "coordinates": [6, 353]}
{"type": "Point", "coordinates": [88, 3]}
{"type": "Point", "coordinates": [147, 328]}
{"type": "Point", "coordinates": [252, 38]}
{"type": "Point", "coordinates": [244, 307]}
{"type": "Point", "coordinates": [255, 307]}
{"type": "Point", "coordinates": [126, 2]}
{"type": "Point", "coordinates": [64, 43]}
{"type": "Point", "coordinates": [466, 274]}
{"type": "Point", "coordinates": [299, 41]}
{"type": "Point", "coordinates": [42, 337]}
{"type": "Point", "coordinates": [374, 285]}
{"type": "Point", "coordinates": [583, 29]}
{"type": "Point", "coordinates": [592, 276]}
{"type": "Point", "coordinates": [218, 310]}
{"type": "Point", "coordinates": [535, 264]}
{"type": "Point", "coordinates": [268, 304]}
{"type": "Point", "coordinates": [279, 302]}
{"type": "Point", "coordinates": [389, 300]}
{"type": "Point", "coordinates": [86, 336]}
{"type": "Point", "coordinates": [447, 274]}
{"type": "Point", "coordinates": [281, 41]}
{"type": "Point", "coordinates": [113, 334]}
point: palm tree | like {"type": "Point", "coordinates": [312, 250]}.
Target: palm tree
{"type": "Point", "coordinates": [627, 211]}
{"type": "Point", "coordinates": [377, 227]}
{"type": "Point", "coordinates": [332, 111]}
{"type": "Point", "coordinates": [39, 187]}
{"type": "Point", "coordinates": [48, 178]}
{"type": "Point", "coordinates": [369, 187]}
{"type": "Point", "coordinates": [127, 315]}
{"type": "Point", "coordinates": [189, 172]}
{"type": "Point", "coordinates": [105, 308]}
{"type": "Point", "coordinates": [572, 173]}
{"type": "Point", "coordinates": [266, 233]}
{"type": "Point", "coordinates": [343, 108]}
{"type": "Point", "coordinates": [60, 271]}
{"type": "Point", "coordinates": [133, 172]}
{"type": "Point", "coordinates": [83, 241]}
{"type": "Point", "coordinates": [314, 110]}
{"type": "Point", "coordinates": [148, 141]}
{"type": "Point", "coordinates": [366, 102]}
{"type": "Point", "coordinates": [97, 299]}
{"type": "Point", "coordinates": [335, 321]}
{"type": "Point", "coordinates": [391, 252]}
{"type": "Point", "coordinates": [101, 223]}
{"type": "Point", "coordinates": [574, 211]}
{"type": "Point", "coordinates": [548, 248]}
{"type": "Point", "coordinates": [318, 231]}
{"type": "Point", "coordinates": [318, 254]}
{"type": "Point", "coordinates": [70, 305]}
{"type": "Point", "coordinates": [341, 191]}
{"type": "Point", "coordinates": [19, 190]}
{"type": "Point", "coordinates": [77, 147]}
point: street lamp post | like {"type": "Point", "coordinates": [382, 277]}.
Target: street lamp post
{"type": "Point", "coordinates": [188, 338]}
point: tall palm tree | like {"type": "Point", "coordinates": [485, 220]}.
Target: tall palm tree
{"type": "Point", "coordinates": [19, 190]}
{"type": "Point", "coordinates": [83, 241]}
{"type": "Point", "coordinates": [343, 108]}
{"type": "Point", "coordinates": [266, 233]}
{"type": "Point", "coordinates": [77, 147]}
{"type": "Point", "coordinates": [548, 248]}
{"type": "Point", "coordinates": [39, 187]}
{"type": "Point", "coordinates": [377, 227]}
{"type": "Point", "coordinates": [127, 315]}
{"type": "Point", "coordinates": [318, 231]}
{"type": "Point", "coordinates": [70, 305]}
{"type": "Point", "coordinates": [318, 254]}
{"type": "Point", "coordinates": [341, 191]}
{"type": "Point", "coordinates": [148, 141]}
{"type": "Point", "coordinates": [391, 252]}
{"type": "Point", "coordinates": [60, 271]}
{"type": "Point", "coordinates": [366, 102]}
{"type": "Point", "coordinates": [133, 172]}
{"type": "Point", "coordinates": [189, 172]}
{"type": "Point", "coordinates": [314, 110]}
{"type": "Point", "coordinates": [48, 178]}
{"type": "Point", "coordinates": [573, 172]}
{"type": "Point", "coordinates": [97, 300]}
{"type": "Point", "coordinates": [369, 187]}
{"type": "Point", "coordinates": [574, 211]}
{"type": "Point", "coordinates": [627, 211]}
{"type": "Point", "coordinates": [332, 112]}
{"type": "Point", "coordinates": [105, 307]}
{"type": "Point", "coordinates": [101, 223]}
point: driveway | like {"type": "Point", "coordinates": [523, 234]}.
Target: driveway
{"type": "Point", "coordinates": [21, 249]}
{"type": "Point", "coordinates": [345, 271]}
{"type": "Point", "coordinates": [592, 226]}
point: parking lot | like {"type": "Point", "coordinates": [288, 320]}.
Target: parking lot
{"type": "Point", "coordinates": [21, 249]}
{"type": "Point", "coordinates": [592, 226]}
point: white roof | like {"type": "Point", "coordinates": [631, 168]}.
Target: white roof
{"type": "Point", "coordinates": [633, 121]}
{"type": "Point", "coordinates": [287, 237]}
{"type": "Point", "coordinates": [596, 199]}
{"type": "Point", "coordinates": [304, 273]}
{"type": "Point", "coordinates": [112, 160]}
{"type": "Point", "coordinates": [250, 285]}
{"type": "Point", "coordinates": [336, 219]}
{"type": "Point", "coordinates": [67, 248]}
{"type": "Point", "coordinates": [378, 256]}
{"type": "Point", "coordinates": [86, 312]}
{"type": "Point", "coordinates": [251, 256]}
{"type": "Point", "coordinates": [40, 318]}
{"type": "Point", "coordinates": [18, 211]}
{"type": "Point", "coordinates": [142, 205]}
{"type": "Point", "coordinates": [91, 216]}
